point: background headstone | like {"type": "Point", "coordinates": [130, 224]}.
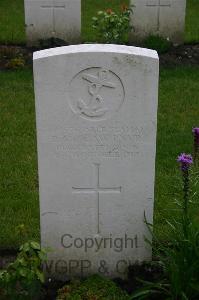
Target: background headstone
{"type": "Point", "coordinates": [163, 17]}
{"type": "Point", "coordinates": [96, 109]}
{"type": "Point", "coordinates": [53, 18]}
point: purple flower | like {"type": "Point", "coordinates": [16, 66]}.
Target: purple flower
{"type": "Point", "coordinates": [185, 160]}
{"type": "Point", "coordinates": [196, 133]}
{"type": "Point", "coordinates": [196, 143]}
{"type": "Point", "coordinates": [195, 130]}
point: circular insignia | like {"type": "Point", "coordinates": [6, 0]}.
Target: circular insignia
{"type": "Point", "coordinates": [96, 94]}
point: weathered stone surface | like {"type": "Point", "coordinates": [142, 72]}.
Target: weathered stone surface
{"type": "Point", "coordinates": [163, 17]}
{"type": "Point", "coordinates": [53, 18]}
{"type": "Point", "coordinates": [96, 109]}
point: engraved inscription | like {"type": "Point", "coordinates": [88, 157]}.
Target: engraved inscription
{"type": "Point", "coordinates": [95, 142]}
{"type": "Point", "coordinates": [96, 93]}
{"type": "Point", "coordinates": [97, 189]}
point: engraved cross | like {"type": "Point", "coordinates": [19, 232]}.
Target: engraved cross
{"type": "Point", "coordinates": [159, 4]}
{"type": "Point", "coordinates": [53, 7]}
{"type": "Point", "coordinates": [97, 189]}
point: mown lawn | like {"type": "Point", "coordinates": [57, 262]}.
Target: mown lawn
{"type": "Point", "coordinates": [18, 168]}
{"type": "Point", "coordinates": [178, 113]}
{"type": "Point", "coordinates": [12, 30]}
{"type": "Point", "coordinates": [192, 22]}
{"type": "Point", "coordinates": [12, 24]}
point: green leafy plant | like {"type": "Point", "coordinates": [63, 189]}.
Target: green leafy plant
{"type": "Point", "coordinates": [93, 288]}
{"type": "Point", "coordinates": [180, 259]}
{"type": "Point", "coordinates": [111, 27]}
{"type": "Point", "coordinates": [15, 63]}
{"type": "Point", "coordinates": [24, 277]}
{"type": "Point", "coordinates": [158, 43]}
{"type": "Point", "coordinates": [12, 57]}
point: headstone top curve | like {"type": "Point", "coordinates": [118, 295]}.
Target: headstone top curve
{"type": "Point", "coordinates": [99, 48]}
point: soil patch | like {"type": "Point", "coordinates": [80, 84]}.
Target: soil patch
{"type": "Point", "coordinates": [13, 57]}
{"type": "Point", "coordinates": [181, 55]}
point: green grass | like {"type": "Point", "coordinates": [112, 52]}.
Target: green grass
{"type": "Point", "coordinates": [12, 24]}
{"type": "Point", "coordinates": [12, 29]}
{"type": "Point", "coordinates": [178, 113]}
{"type": "Point", "coordinates": [192, 22]}
{"type": "Point", "coordinates": [18, 170]}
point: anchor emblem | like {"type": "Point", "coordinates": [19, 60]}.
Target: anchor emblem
{"type": "Point", "coordinates": [96, 106]}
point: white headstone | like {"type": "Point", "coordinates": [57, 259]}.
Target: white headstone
{"type": "Point", "coordinates": [158, 17]}
{"type": "Point", "coordinates": [53, 18]}
{"type": "Point", "coordinates": [96, 109]}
